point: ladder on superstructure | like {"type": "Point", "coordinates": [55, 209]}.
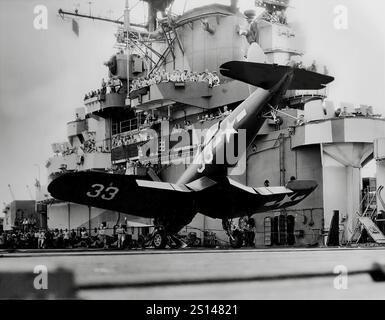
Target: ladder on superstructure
{"type": "Point", "coordinates": [366, 221]}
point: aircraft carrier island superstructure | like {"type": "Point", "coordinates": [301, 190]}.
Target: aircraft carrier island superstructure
{"type": "Point", "coordinates": [166, 74]}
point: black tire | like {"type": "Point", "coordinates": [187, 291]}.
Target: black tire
{"type": "Point", "coordinates": [197, 242]}
{"type": "Point", "coordinates": [141, 242]}
{"type": "Point", "coordinates": [159, 240]}
{"type": "Point", "coordinates": [237, 240]}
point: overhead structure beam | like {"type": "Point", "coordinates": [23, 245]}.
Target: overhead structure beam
{"type": "Point", "coordinates": [148, 47]}
{"type": "Point", "coordinates": [62, 13]}
{"type": "Point", "coordinates": [178, 39]}
{"type": "Point", "coordinates": [170, 42]}
{"type": "Point", "coordinates": [163, 57]}
{"type": "Point", "coordinates": [141, 50]}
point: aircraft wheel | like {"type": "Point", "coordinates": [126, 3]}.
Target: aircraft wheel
{"type": "Point", "coordinates": [197, 242]}
{"type": "Point", "coordinates": [141, 242]}
{"type": "Point", "coordinates": [159, 240]}
{"type": "Point", "coordinates": [237, 242]}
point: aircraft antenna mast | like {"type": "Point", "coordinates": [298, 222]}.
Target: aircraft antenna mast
{"type": "Point", "coordinates": [11, 192]}
{"type": "Point", "coordinates": [29, 192]}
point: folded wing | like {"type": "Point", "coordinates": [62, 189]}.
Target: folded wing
{"type": "Point", "coordinates": [232, 199]}
{"type": "Point", "coordinates": [266, 76]}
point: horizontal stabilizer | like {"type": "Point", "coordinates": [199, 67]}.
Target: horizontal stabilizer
{"type": "Point", "coordinates": [266, 76]}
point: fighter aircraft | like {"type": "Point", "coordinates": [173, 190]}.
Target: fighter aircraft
{"type": "Point", "coordinates": [205, 186]}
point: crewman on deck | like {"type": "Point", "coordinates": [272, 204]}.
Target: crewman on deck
{"type": "Point", "coordinates": [102, 235]}
{"type": "Point", "coordinates": [121, 236]}
{"type": "Point", "coordinates": [157, 77]}
{"type": "Point", "coordinates": [66, 238]}
{"type": "Point", "coordinates": [104, 87]}
{"type": "Point", "coordinates": [117, 84]}
{"type": "Point", "coordinates": [215, 79]}
{"type": "Point", "coordinates": [41, 240]}
{"type": "Point", "coordinates": [164, 76]}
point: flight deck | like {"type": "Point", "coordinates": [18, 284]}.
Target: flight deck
{"type": "Point", "coordinates": [207, 274]}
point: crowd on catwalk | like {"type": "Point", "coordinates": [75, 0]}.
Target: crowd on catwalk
{"type": "Point", "coordinates": [177, 76]}
{"type": "Point", "coordinates": [114, 85]}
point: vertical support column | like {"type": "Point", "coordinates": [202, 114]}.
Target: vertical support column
{"type": "Point", "coordinates": [69, 215]}
{"type": "Point", "coordinates": [380, 181]}
{"type": "Point", "coordinates": [379, 156]}
{"type": "Point", "coordinates": [89, 220]}
{"type": "Point", "coordinates": [282, 168]}
{"type": "Point", "coordinates": [108, 134]}
{"type": "Point", "coordinates": [353, 177]}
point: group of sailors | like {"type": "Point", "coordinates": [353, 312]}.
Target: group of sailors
{"type": "Point", "coordinates": [275, 17]}
{"type": "Point", "coordinates": [63, 239]}
{"type": "Point", "coordinates": [38, 239]}
{"type": "Point", "coordinates": [114, 85]}
{"type": "Point", "coordinates": [211, 116]}
{"type": "Point", "coordinates": [313, 67]}
{"type": "Point", "coordinates": [129, 138]}
{"type": "Point", "coordinates": [176, 76]}
{"type": "Point", "coordinates": [88, 146]}
{"type": "Point", "coordinates": [130, 166]}
{"type": "Point", "coordinates": [247, 226]}
{"type": "Point", "coordinates": [364, 111]}
{"type": "Point", "coordinates": [25, 223]}
{"type": "Point", "coordinates": [177, 128]}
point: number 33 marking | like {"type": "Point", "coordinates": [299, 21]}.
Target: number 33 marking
{"type": "Point", "coordinates": [97, 191]}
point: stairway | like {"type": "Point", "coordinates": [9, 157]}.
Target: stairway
{"type": "Point", "coordinates": [153, 175]}
{"type": "Point", "coordinates": [366, 220]}
{"type": "Point", "coordinates": [372, 230]}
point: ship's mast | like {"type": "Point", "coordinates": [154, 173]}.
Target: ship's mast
{"type": "Point", "coordinates": [132, 37]}
{"type": "Point", "coordinates": [126, 29]}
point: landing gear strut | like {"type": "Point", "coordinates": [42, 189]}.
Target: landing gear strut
{"type": "Point", "coordinates": [161, 238]}
{"type": "Point", "coordinates": [235, 235]}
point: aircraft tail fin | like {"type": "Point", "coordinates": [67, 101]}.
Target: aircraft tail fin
{"type": "Point", "coordinates": [266, 76]}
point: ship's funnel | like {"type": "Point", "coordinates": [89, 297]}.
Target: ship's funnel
{"type": "Point", "coordinates": [159, 5]}
{"type": "Point", "coordinates": [155, 6]}
{"type": "Point", "coordinates": [234, 5]}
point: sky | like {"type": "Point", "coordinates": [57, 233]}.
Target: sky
{"type": "Point", "coordinates": [44, 74]}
